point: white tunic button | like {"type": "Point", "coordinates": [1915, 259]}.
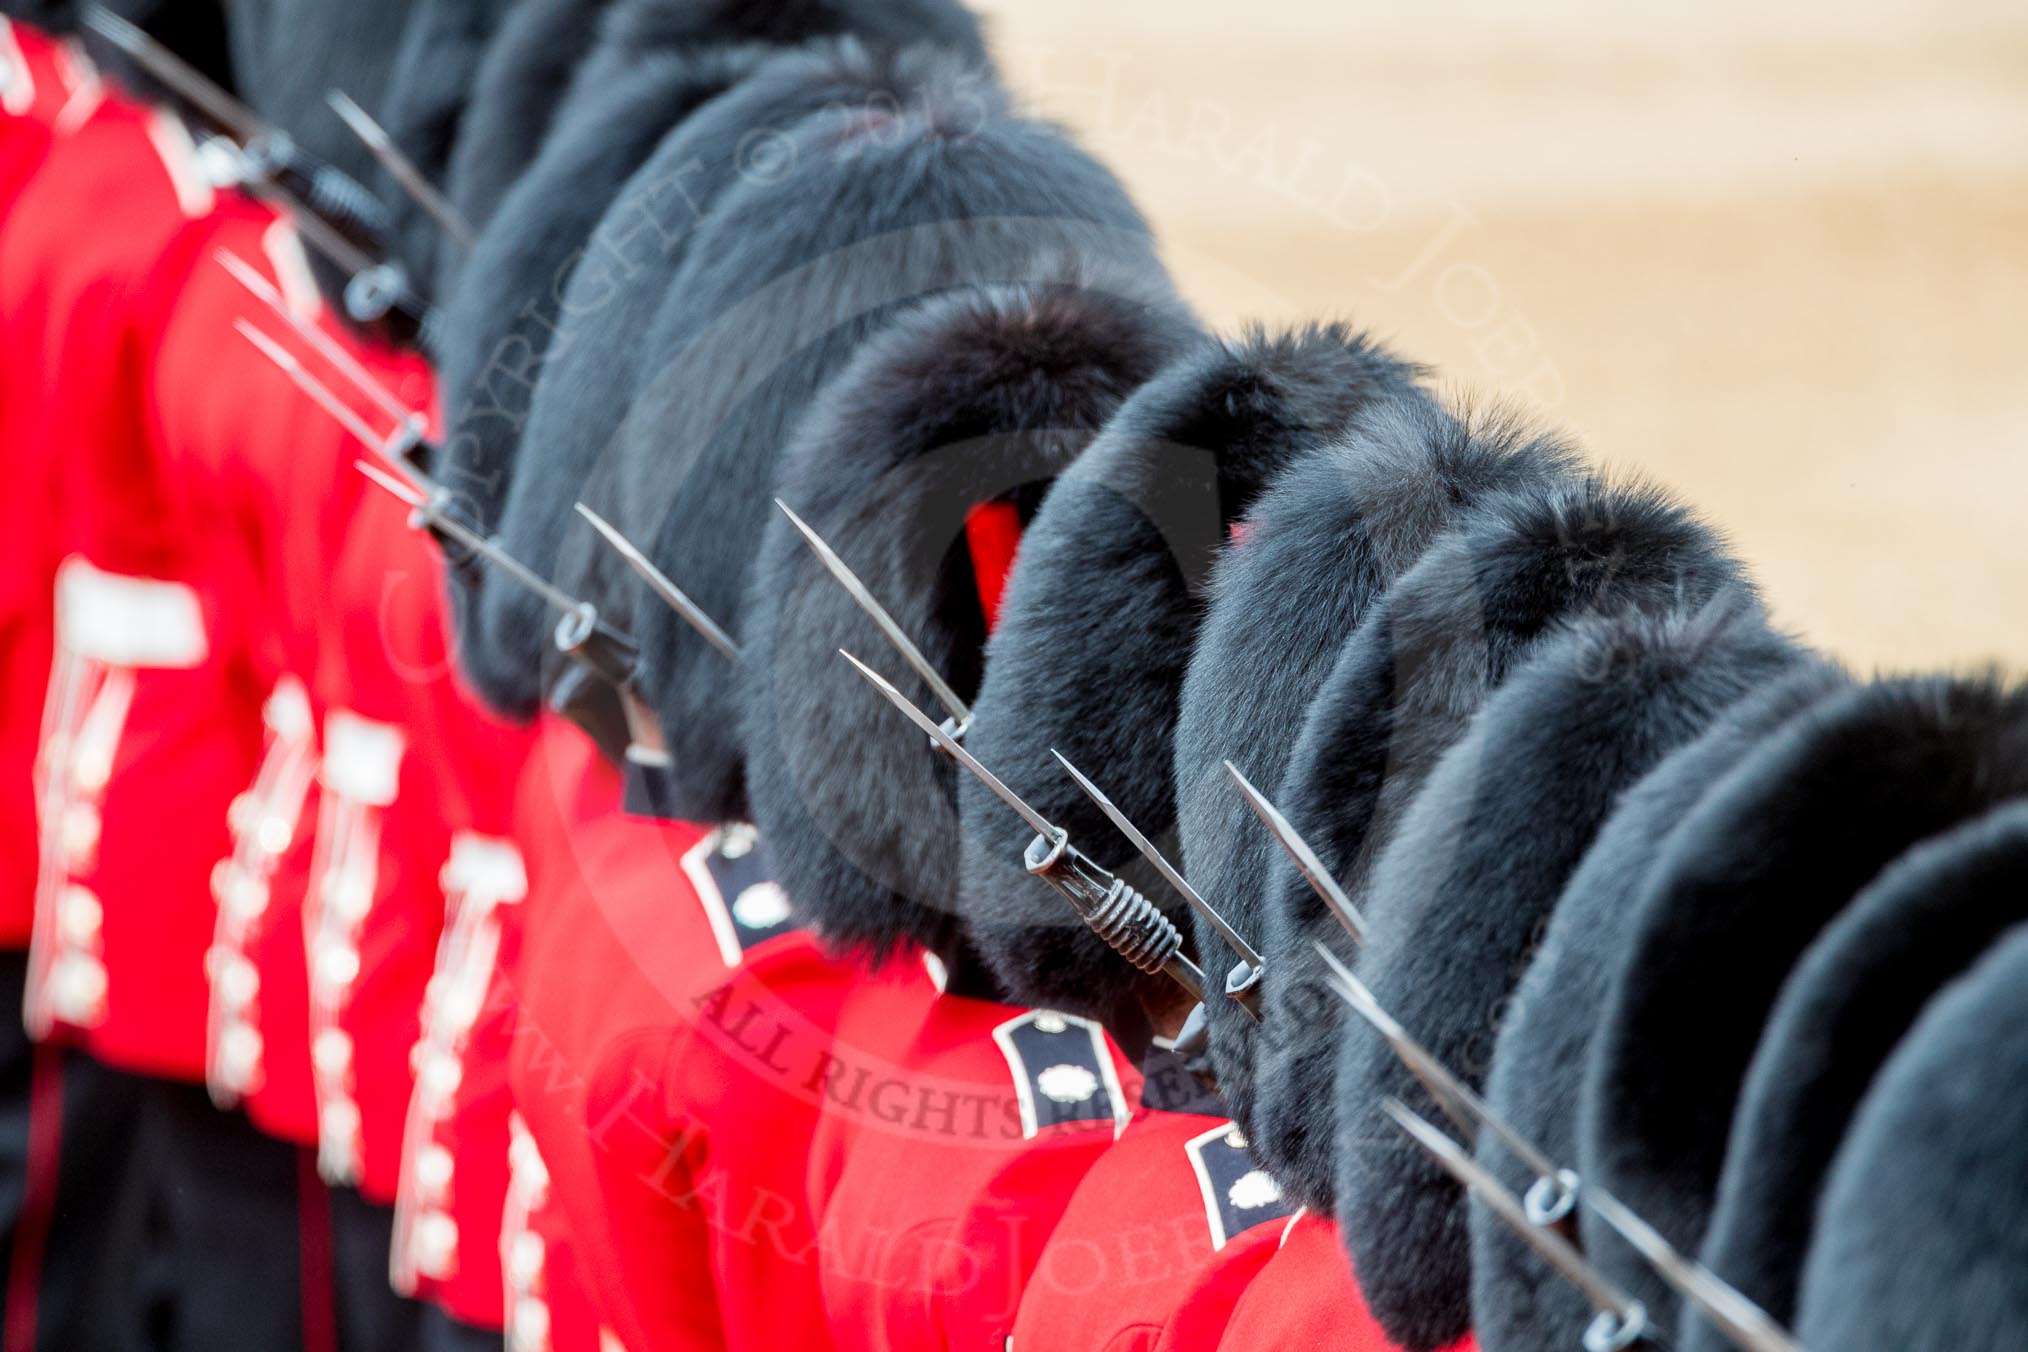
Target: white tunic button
{"type": "Point", "coordinates": [337, 966]}
{"type": "Point", "coordinates": [81, 828]}
{"type": "Point", "coordinates": [434, 1245]}
{"type": "Point", "coordinates": [525, 1255]}
{"type": "Point", "coordinates": [331, 1052]}
{"type": "Point", "coordinates": [237, 982]}
{"type": "Point", "coordinates": [530, 1332]}
{"type": "Point", "coordinates": [78, 989]}
{"type": "Point", "coordinates": [80, 916]}
{"type": "Point", "coordinates": [434, 1169]}
{"type": "Point", "coordinates": [239, 1057]}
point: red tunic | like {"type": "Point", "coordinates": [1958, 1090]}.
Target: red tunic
{"type": "Point", "coordinates": [1305, 1297]}
{"type": "Point", "coordinates": [1204, 1307]}
{"type": "Point", "coordinates": [454, 1185]}
{"type": "Point", "coordinates": [704, 1129]}
{"type": "Point", "coordinates": [413, 766]}
{"type": "Point", "coordinates": [36, 81]}
{"type": "Point", "coordinates": [615, 941]}
{"type": "Point", "coordinates": [258, 467]}
{"type": "Point", "coordinates": [1150, 1218]}
{"type": "Point", "coordinates": [958, 1161]}
{"type": "Point", "coordinates": [156, 720]}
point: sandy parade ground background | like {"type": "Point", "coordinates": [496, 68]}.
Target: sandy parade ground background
{"type": "Point", "coordinates": [1773, 254]}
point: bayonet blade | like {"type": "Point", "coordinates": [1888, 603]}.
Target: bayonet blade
{"type": "Point", "coordinates": [177, 74]}
{"type": "Point", "coordinates": [472, 540]}
{"type": "Point", "coordinates": [1175, 879]}
{"type": "Point", "coordinates": [1604, 1295]}
{"type": "Point", "coordinates": [402, 169]}
{"type": "Point", "coordinates": [1312, 868]}
{"type": "Point", "coordinates": [1450, 1095]}
{"type": "Point", "coordinates": [318, 392]}
{"type": "Point", "coordinates": [1037, 822]}
{"type": "Point", "coordinates": [1742, 1320]}
{"type": "Point", "coordinates": [1725, 1305]}
{"type": "Point", "coordinates": [674, 596]}
{"type": "Point", "coordinates": [327, 347]}
{"type": "Point", "coordinates": [1458, 1100]}
{"type": "Point", "coordinates": [876, 612]}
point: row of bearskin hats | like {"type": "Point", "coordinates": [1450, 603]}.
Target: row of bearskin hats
{"type": "Point", "coordinates": [1726, 932]}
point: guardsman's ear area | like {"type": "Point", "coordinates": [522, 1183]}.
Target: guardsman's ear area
{"type": "Point", "coordinates": [1332, 532]}
{"type": "Point", "coordinates": [1918, 926]}
{"type": "Point", "coordinates": [1466, 874]}
{"type": "Point", "coordinates": [983, 396]}
{"type": "Point", "coordinates": [1746, 883]}
{"type": "Point", "coordinates": [1538, 1061]}
{"type": "Point", "coordinates": [1918, 1242]}
{"type": "Point", "coordinates": [1101, 614]}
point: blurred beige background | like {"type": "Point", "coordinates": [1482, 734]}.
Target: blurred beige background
{"type": "Point", "coordinates": [1774, 254]}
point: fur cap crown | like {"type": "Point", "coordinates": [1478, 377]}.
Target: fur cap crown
{"type": "Point", "coordinates": [1742, 888]}
{"type": "Point", "coordinates": [781, 287]}
{"type": "Point", "coordinates": [1538, 1061]}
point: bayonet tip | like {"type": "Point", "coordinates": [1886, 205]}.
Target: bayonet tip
{"type": "Point", "coordinates": [1299, 852]}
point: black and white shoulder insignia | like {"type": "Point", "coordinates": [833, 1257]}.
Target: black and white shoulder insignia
{"type": "Point", "coordinates": [1238, 1194]}
{"type": "Point", "coordinates": [741, 899]}
{"type": "Point", "coordinates": [1063, 1071]}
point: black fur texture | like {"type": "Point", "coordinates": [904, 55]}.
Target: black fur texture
{"type": "Point", "coordinates": [982, 396]}
{"type": "Point", "coordinates": [1767, 859]}
{"type": "Point", "coordinates": [288, 54]}
{"type": "Point", "coordinates": [503, 318]}
{"type": "Point", "coordinates": [523, 74]}
{"type": "Point", "coordinates": [1463, 890]}
{"type": "Point", "coordinates": [588, 385]}
{"type": "Point", "coordinates": [1852, 998]}
{"type": "Point", "coordinates": [550, 47]}
{"type": "Point", "coordinates": [1098, 622]}
{"type": "Point", "coordinates": [428, 88]}
{"type": "Point", "coordinates": [1332, 532]}
{"type": "Point", "coordinates": [1919, 1246]}
{"type": "Point", "coordinates": [788, 277]}
{"type": "Point", "coordinates": [1518, 1304]}
{"type": "Point", "coordinates": [1404, 688]}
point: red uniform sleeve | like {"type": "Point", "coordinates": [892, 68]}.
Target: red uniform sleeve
{"type": "Point", "coordinates": [1004, 1109]}
{"type": "Point", "coordinates": [1149, 1219]}
{"type": "Point", "coordinates": [702, 1130]}
{"type": "Point", "coordinates": [1307, 1298]}
{"type": "Point", "coordinates": [616, 942]}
